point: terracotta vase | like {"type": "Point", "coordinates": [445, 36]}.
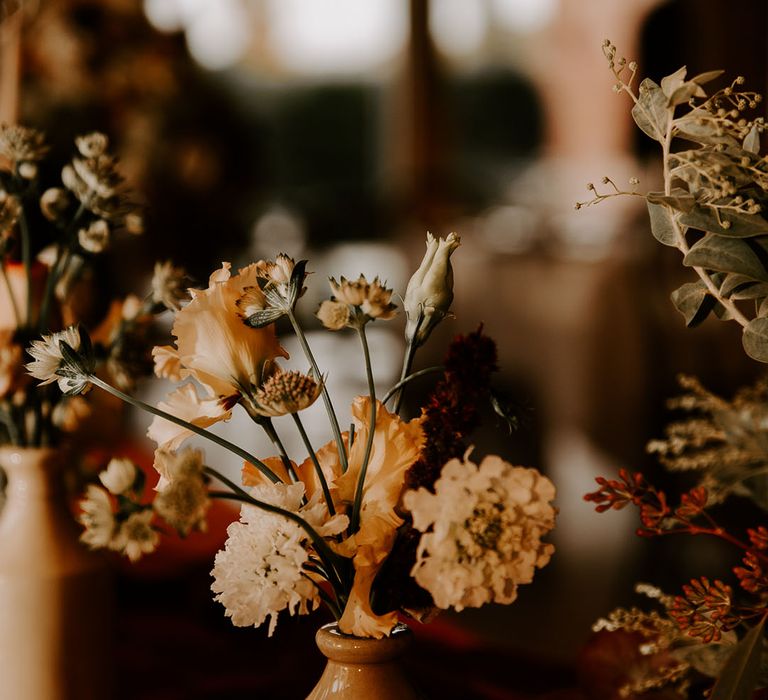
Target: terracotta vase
{"type": "Point", "coordinates": [363, 669]}
{"type": "Point", "coordinates": [55, 595]}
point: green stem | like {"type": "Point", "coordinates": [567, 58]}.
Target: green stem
{"type": "Point", "coordinates": [354, 523]}
{"type": "Point", "coordinates": [328, 557]}
{"type": "Point", "coordinates": [326, 396]}
{"type": "Point", "coordinates": [318, 468]}
{"type": "Point", "coordinates": [11, 295]}
{"type": "Point", "coordinates": [263, 468]}
{"type": "Point", "coordinates": [410, 378]}
{"type": "Point", "coordinates": [410, 353]}
{"type": "Point", "coordinates": [269, 429]}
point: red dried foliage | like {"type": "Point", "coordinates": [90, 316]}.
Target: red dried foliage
{"type": "Point", "coordinates": [692, 503]}
{"type": "Point", "coordinates": [758, 537]}
{"type": "Point", "coordinates": [752, 576]}
{"type": "Point", "coordinates": [704, 609]}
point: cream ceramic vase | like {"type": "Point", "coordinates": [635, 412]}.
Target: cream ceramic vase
{"type": "Point", "coordinates": [55, 595]}
{"type": "Point", "coordinates": [363, 669]}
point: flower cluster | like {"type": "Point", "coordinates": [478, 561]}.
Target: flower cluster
{"type": "Point", "coordinates": [350, 520]}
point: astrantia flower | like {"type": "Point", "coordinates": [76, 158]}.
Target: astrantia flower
{"type": "Point", "coordinates": [50, 366]}
{"type": "Point", "coordinates": [260, 571]}
{"type": "Point", "coordinates": [169, 286]}
{"type": "Point", "coordinates": [182, 499]}
{"type": "Point", "coordinates": [482, 531]}
{"type": "Point", "coordinates": [97, 518]}
{"type": "Point", "coordinates": [119, 476]}
{"type": "Point", "coordinates": [21, 144]}
{"type": "Point", "coordinates": [136, 536]}
{"type": "Point", "coordinates": [359, 301]}
{"type": "Point", "coordinates": [96, 184]}
{"type": "Point", "coordinates": [286, 392]}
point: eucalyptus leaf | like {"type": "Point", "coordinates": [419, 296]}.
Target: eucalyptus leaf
{"type": "Point", "coordinates": [756, 290]}
{"type": "Point", "coordinates": [741, 225]}
{"type": "Point", "coordinates": [734, 282]}
{"type": "Point", "coordinates": [684, 93]}
{"type": "Point", "coordinates": [650, 112]}
{"type": "Point", "coordinates": [752, 140]}
{"type": "Point", "coordinates": [755, 339]}
{"type": "Point", "coordinates": [762, 307]}
{"type": "Point", "coordinates": [726, 255]}
{"type": "Point", "coordinates": [722, 312]}
{"type": "Point", "coordinates": [742, 669]}
{"type": "Point", "coordinates": [694, 302]}
{"type": "Point", "coordinates": [670, 83]}
{"type": "Point", "coordinates": [707, 76]}
{"type": "Point", "coordinates": [663, 224]}
{"type": "Point", "coordinates": [678, 199]}
{"type": "Point", "coordinates": [699, 126]}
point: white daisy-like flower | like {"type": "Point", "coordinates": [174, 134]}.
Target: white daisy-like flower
{"type": "Point", "coordinates": [136, 536]}
{"type": "Point", "coordinates": [49, 361]}
{"type": "Point", "coordinates": [482, 531]}
{"type": "Point", "coordinates": [182, 499]}
{"type": "Point", "coordinates": [119, 476]}
{"type": "Point", "coordinates": [97, 518]}
{"type": "Point", "coordinates": [260, 571]}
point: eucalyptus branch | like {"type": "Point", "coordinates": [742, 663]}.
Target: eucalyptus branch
{"type": "Point", "coordinates": [318, 468]}
{"type": "Point", "coordinates": [407, 380]}
{"type": "Point", "coordinates": [354, 522]}
{"type": "Point", "coordinates": [326, 396]}
{"type": "Point", "coordinates": [263, 468]}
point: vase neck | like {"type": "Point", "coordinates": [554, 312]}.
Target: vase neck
{"type": "Point", "coordinates": [345, 649]}
{"type": "Point", "coordinates": [33, 473]}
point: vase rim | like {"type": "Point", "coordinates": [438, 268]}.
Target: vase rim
{"type": "Point", "coordinates": [345, 648]}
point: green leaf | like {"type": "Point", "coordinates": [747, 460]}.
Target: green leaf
{"type": "Point", "coordinates": [703, 78]}
{"type": "Point", "coordinates": [741, 671]}
{"type": "Point", "coordinates": [663, 224]}
{"type": "Point", "coordinates": [752, 140]}
{"type": "Point", "coordinates": [678, 199]}
{"type": "Point", "coordinates": [264, 317]}
{"type": "Point", "coordinates": [693, 302]}
{"type": "Point", "coordinates": [755, 339]}
{"type": "Point", "coordinates": [726, 255]}
{"type": "Point", "coordinates": [671, 82]}
{"type": "Point", "coordinates": [684, 93]}
{"type": "Point", "coordinates": [650, 112]}
{"type": "Point", "coordinates": [741, 225]}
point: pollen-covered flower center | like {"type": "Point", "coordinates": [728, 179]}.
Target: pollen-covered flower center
{"type": "Point", "coordinates": [486, 530]}
{"type": "Point", "coordinates": [290, 391]}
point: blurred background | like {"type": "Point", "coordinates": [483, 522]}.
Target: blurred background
{"type": "Point", "coordinates": [341, 131]}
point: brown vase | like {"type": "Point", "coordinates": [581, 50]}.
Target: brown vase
{"type": "Point", "coordinates": [363, 669]}
{"type": "Point", "coordinates": [55, 595]}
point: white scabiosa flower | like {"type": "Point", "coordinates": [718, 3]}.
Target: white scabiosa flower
{"type": "Point", "coordinates": [136, 536]}
{"type": "Point", "coordinates": [97, 518]}
{"type": "Point", "coordinates": [119, 476]}
{"type": "Point", "coordinates": [182, 499]}
{"type": "Point", "coordinates": [260, 571]}
{"type": "Point", "coordinates": [482, 531]}
{"type": "Point", "coordinates": [429, 293]}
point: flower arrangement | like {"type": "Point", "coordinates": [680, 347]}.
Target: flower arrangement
{"type": "Point", "coordinates": [49, 240]}
{"type": "Point", "coordinates": [711, 209]}
{"type": "Point", "coordinates": [390, 516]}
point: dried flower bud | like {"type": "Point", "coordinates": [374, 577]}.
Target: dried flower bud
{"type": "Point", "coordinates": [119, 476]}
{"type": "Point", "coordinates": [334, 315]}
{"type": "Point", "coordinates": [54, 203]}
{"type": "Point", "coordinates": [429, 293]}
{"type": "Point", "coordinates": [28, 170]}
{"type": "Point", "coordinates": [92, 145]}
{"type": "Point", "coordinates": [134, 224]}
{"type": "Point", "coordinates": [95, 238]}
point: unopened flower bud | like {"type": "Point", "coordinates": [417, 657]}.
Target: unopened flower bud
{"type": "Point", "coordinates": [54, 203]}
{"type": "Point", "coordinates": [429, 293]}
{"type": "Point", "coordinates": [119, 476]}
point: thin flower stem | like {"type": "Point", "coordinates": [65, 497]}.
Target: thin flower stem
{"type": "Point", "coordinates": [11, 295]}
{"type": "Point", "coordinates": [326, 554]}
{"type": "Point", "coordinates": [333, 606]}
{"type": "Point", "coordinates": [410, 378]}
{"type": "Point", "coordinates": [26, 258]}
{"type": "Point", "coordinates": [269, 429]}
{"type": "Point", "coordinates": [326, 396]}
{"type": "Point", "coordinates": [355, 520]}
{"type": "Point", "coordinates": [318, 468]}
{"type": "Point", "coordinates": [263, 468]}
{"type": "Point", "coordinates": [410, 353]}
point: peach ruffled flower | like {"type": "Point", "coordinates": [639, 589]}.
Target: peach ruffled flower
{"type": "Point", "coordinates": [214, 347]}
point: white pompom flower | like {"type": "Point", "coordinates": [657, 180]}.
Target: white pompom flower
{"type": "Point", "coordinates": [483, 530]}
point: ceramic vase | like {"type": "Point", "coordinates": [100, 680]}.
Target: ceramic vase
{"type": "Point", "coordinates": [55, 595]}
{"type": "Point", "coordinates": [360, 669]}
